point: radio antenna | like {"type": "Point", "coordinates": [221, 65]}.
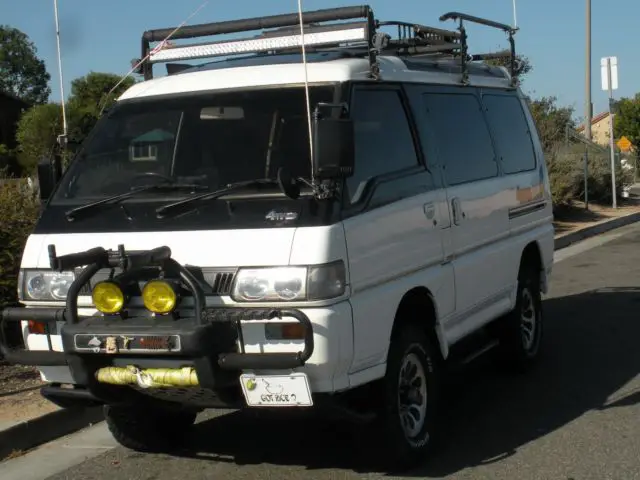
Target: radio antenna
{"type": "Point", "coordinates": [306, 87]}
{"type": "Point", "coordinates": [62, 138]}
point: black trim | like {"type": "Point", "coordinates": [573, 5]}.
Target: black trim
{"type": "Point", "coordinates": [21, 356]}
{"type": "Point", "coordinates": [527, 209]}
{"type": "Point", "coordinates": [220, 214]}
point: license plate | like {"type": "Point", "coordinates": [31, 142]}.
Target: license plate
{"type": "Point", "coordinates": [276, 390]}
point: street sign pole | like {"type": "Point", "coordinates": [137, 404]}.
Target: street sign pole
{"type": "Point", "coordinates": [609, 72]}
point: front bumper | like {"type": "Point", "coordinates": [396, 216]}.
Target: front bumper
{"type": "Point", "coordinates": [210, 340]}
{"type": "Point", "coordinates": [140, 338]}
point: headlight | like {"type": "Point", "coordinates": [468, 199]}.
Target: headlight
{"type": "Point", "coordinates": [107, 297]}
{"type": "Point", "coordinates": [288, 284]}
{"type": "Point", "coordinates": [44, 285]}
{"type": "Point", "coordinates": [159, 297]}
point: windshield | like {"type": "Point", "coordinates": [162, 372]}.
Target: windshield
{"type": "Point", "coordinates": [211, 139]}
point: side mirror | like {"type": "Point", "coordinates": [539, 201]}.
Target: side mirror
{"type": "Point", "coordinates": [334, 148]}
{"type": "Point", "coordinates": [49, 173]}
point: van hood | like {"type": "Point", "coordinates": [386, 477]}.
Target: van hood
{"type": "Point", "coordinates": [218, 248]}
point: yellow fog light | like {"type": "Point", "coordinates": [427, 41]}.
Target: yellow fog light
{"type": "Point", "coordinates": [159, 296]}
{"type": "Point", "coordinates": [107, 297]}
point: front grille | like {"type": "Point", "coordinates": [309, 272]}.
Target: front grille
{"type": "Point", "coordinates": [219, 279]}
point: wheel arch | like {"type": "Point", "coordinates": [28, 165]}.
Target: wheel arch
{"type": "Point", "coordinates": [420, 299]}
{"type": "Point", "coordinates": [532, 257]}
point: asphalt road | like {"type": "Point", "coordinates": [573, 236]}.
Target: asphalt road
{"type": "Point", "coordinates": [575, 417]}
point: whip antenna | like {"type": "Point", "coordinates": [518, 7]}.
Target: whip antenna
{"type": "Point", "coordinates": [62, 139]}
{"type": "Point", "coordinates": [306, 86]}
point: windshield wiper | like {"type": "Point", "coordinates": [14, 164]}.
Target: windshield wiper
{"type": "Point", "coordinates": [73, 213]}
{"type": "Point", "coordinates": [230, 188]}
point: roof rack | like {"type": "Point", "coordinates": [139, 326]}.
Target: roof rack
{"type": "Point", "coordinates": [362, 38]}
{"type": "Point", "coordinates": [464, 56]}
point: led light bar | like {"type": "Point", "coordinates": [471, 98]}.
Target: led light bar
{"type": "Point", "coordinates": [256, 45]}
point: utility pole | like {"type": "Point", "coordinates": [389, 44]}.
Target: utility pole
{"type": "Point", "coordinates": [588, 108]}
{"type": "Point", "coordinates": [609, 73]}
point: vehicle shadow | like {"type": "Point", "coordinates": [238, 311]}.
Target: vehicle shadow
{"type": "Point", "coordinates": [590, 352]}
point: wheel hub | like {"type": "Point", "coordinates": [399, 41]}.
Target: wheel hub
{"type": "Point", "coordinates": [412, 396]}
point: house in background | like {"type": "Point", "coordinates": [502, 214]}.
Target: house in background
{"type": "Point", "coordinates": [11, 109]}
{"type": "Point", "coordinates": [599, 129]}
{"type": "Point", "coordinates": [600, 125]}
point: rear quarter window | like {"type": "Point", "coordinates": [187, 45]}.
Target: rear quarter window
{"type": "Point", "coordinates": [511, 132]}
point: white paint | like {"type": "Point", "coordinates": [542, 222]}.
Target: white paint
{"type": "Point", "coordinates": [607, 63]}
{"type": "Point", "coordinates": [468, 266]}
{"type": "Point", "coordinates": [341, 70]}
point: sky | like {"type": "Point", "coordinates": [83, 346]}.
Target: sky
{"type": "Point", "coordinates": [105, 36]}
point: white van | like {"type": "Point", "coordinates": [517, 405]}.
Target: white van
{"type": "Point", "coordinates": [284, 230]}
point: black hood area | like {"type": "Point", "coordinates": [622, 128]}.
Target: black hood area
{"type": "Point", "coordinates": [140, 216]}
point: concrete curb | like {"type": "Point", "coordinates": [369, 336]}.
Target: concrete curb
{"type": "Point", "coordinates": [33, 433]}
{"type": "Point", "coordinates": [584, 233]}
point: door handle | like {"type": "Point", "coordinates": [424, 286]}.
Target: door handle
{"type": "Point", "coordinates": [456, 212]}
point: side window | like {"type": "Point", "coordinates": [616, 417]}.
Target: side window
{"type": "Point", "coordinates": [511, 132]}
{"type": "Point", "coordinates": [384, 143]}
{"type": "Point", "coordinates": [462, 137]}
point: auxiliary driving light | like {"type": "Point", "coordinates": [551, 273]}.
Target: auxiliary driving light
{"type": "Point", "coordinates": [159, 297]}
{"type": "Point", "coordinates": [107, 297]}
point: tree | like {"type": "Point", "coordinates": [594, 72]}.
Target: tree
{"type": "Point", "coordinates": [551, 121]}
{"type": "Point", "coordinates": [89, 96]}
{"type": "Point", "coordinates": [523, 64]}
{"type": "Point", "coordinates": [37, 133]}
{"type": "Point", "coordinates": [627, 119]}
{"type": "Point", "coordinates": [40, 126]}
{"type": "Point", "coordinates": [22, 73]}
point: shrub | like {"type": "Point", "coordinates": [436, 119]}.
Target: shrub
{"type": "Point", "coordinates": [19, 208]}
{"type": "Point", "coordinates": [566, 175]}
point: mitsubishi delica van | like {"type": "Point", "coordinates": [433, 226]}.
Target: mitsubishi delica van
{"type": "Point", "coordinates": [295, 221]}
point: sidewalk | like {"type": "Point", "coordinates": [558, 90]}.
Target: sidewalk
{"type": "Point", "coordinates": [577, 223]}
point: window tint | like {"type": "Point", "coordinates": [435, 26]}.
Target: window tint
{"type": "Point", "coordinates": [384, 143]}
{"type": "Point", "coordinates": [511, 132]}
{"type": "Point", "coordinates": [211, 139]}
{"type": "Point", "coordinates": [462, 137]}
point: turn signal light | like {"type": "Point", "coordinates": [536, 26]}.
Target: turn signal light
{"type": "Point", "coordinates": [37, 328]}
{"type": "Point", "coordinates": [107, 297]}
{"type": "Point", "coordinates": [159, 297]}
{"type": "Point", "coordinates": [284, 331]}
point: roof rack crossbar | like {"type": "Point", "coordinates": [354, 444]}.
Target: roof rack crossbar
{"type": "Point", "coordinates": [259, 23]}
{"type": "Point", "coordinates": [464, 57]}
{"type": "Point", "coordinates": [161, 53]}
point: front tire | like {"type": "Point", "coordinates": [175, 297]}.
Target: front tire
{"type": "Point", "coordinates": [148, 429]}
{"type": "Point", "coordinates": [412, 392]}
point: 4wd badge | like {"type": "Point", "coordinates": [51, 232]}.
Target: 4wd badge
{"type": "Point", "coordinates": [276, 216]}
